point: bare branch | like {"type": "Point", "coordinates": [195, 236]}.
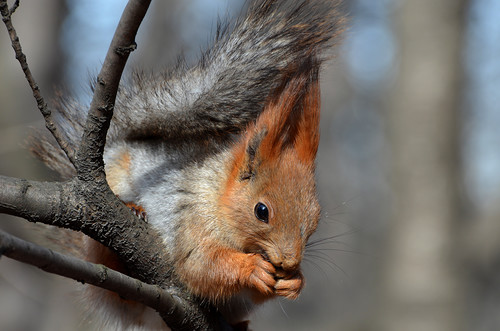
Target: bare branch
{"type": "Point", "coordinates": [90, 273]}
{"type": "Point", "coordinates": [21, 57]}
{"type": "Point", "coordinates": [61, 204]}
{"type": "Point", "coordinates": [14, 7]}
{"type": "Point", "coordinates": [31, 200]}
{"type": "Point", "coordinates": [89, 157]}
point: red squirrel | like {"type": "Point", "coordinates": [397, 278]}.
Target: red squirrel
{"type": "Point", "coordinates": [220, 158]}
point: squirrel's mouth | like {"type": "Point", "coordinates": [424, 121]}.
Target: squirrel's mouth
{"type": "Point", "coordinates": [264, 255]}
{"type": "Point", "coordinates": [255, 248]}
{"type": "Point", "coordinates": [259, 250]}
{"type": "Point", "coordinates": [280, 273]}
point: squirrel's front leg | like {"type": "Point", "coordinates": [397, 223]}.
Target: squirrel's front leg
{"type": "Point", "coordinates": [290, 286]}
{"type": "Point", "coordinates": [137, 210]}
{"type": "Point", "coordinates": [218, 273]}
{"type": "Point", "coordinates": [257, 273]}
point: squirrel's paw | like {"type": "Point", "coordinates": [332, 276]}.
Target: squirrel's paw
{"type": "Point", "coordinates": [261, 275]}
{"type": "Point", "coordinates": [290, 287]}
{"type": "Point", "coordinates": [137, 210]}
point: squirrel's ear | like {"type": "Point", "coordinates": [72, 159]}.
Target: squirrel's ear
{"type": "Point", "coordinates": [306, 136]}
{"type": "Point", "coordinates": [290, 120]}
{"type": "Point", "coordinates": [291, 116]}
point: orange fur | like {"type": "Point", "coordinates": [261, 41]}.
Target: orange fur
{"type": "Point", "coordinates": [228, 272]}
{"type": "Point", "coordinates": [100, 254]}
{"type": "Point", "coordinates": [290, 120]}
{"type": "Point", "coordinates": [118, 171]}
{"type": "Point", "coordinates": [273, 163]}
{"type": "Point", "coordinates": [138, 210]}
{"type": "Point", "coordinates": [307, 136]}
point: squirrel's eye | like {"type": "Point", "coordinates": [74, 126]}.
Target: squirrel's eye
{"type": "Point", "coordinates": [261, 212]}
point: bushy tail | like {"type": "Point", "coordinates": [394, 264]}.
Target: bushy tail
{"type": "Point", "coordinates": [229, 85]}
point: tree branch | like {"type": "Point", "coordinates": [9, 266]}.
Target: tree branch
{"type": "Point", "coordinates": [21, 57]}
{"type": "Point", "coordinates": [86, 202]}
{"type": "Point", "coordinates": [139, 246]}
{"type": "Point", "coordinates": [90, 273]}
{"type": "Point", "coordinates": [101, 108]}
{"type": "Point", "coordinates": [31, 200]}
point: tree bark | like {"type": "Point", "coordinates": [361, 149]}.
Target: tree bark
{"type": "Point", "coordinates": [422, 287]}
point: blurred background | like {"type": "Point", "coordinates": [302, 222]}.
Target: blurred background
{"type": "Point", "coordinates": [408, 166]}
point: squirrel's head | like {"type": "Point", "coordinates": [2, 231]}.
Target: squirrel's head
{"type": "Point", "coordinates": [270, 195]}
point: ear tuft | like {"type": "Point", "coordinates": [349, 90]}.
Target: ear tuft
{"type": "Point", "coordinates": [307, 134]}
{"type": "Point", "coordinates": [291, 114]}
{"type": "Point", "coordinates": [290, 120]}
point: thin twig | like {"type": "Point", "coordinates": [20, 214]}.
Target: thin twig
{"type": "Point", "coordinates": [14, 7]}
{"type": "Point", "coordinates": [21, 57]}
{"type": "Point", "coordinates": [86, 272]}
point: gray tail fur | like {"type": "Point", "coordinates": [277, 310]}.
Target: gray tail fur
{"type": "Point", "coordinates": [225, 90]}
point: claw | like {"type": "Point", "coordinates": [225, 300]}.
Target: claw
{"type": "Point", "coordinates": [138, 211]}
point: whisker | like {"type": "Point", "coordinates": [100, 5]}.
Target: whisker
{"type": "Point", "coordinates": [334, 266]}
{"type": "Point", "coordinates": [317, 266]}
{"type": "Point", "coordinates": [283, 309]}
{"type": "Point", "coordinates": [321, 250]}
{"type": "Point", "coordinates": [330, 239]}
{"type": "Point", "coordinates": [334, 242]}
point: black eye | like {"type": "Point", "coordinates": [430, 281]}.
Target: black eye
{"type": "Point", "coordinates": [261, 212]}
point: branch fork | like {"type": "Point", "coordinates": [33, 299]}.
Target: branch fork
{"type": "Point", "coordinates": [87, 204]}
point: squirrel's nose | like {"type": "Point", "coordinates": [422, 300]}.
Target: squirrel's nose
{"type": "Point", "coordinates": [290, 263]}
{"type": "Point", "coordinates": [287, 263]}
{"type": "Point", "coordinates": [285, 260]}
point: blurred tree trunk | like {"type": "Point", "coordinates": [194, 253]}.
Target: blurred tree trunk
{"type": "Point", "coordinates": [38, 24]}
{"type": "Point", "coordinates": [422, 287]}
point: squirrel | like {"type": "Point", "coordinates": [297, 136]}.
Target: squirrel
{"type": "Point", "coordinates": [220, 159]}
